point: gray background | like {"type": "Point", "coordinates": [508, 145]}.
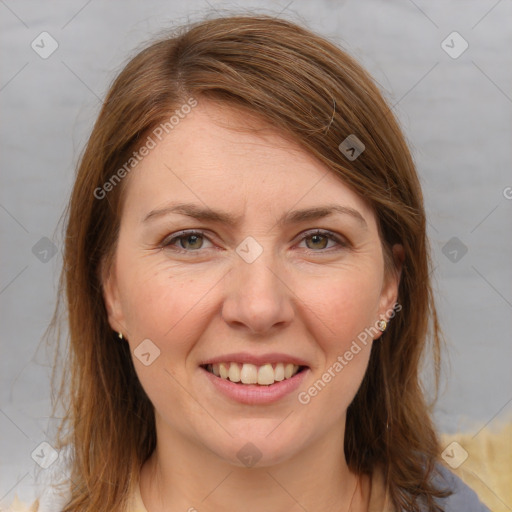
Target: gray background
{"type": "Point", "coordinates": [456, 113]}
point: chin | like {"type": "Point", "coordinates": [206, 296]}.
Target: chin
{"type": "Point", "coordinates": [257, 447]}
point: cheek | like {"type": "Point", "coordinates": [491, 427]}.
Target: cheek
{"type": "Point", "coordinates": [341, 318]}
{"type": "Point", "coordinates": [344, 305]}
{"type": "Point", "coordinates": [172, 309]}
{"type": "Point", "coordinates": [162, 303]}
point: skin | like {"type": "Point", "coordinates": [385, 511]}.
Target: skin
{"type": "Point", "coordinates": [304, 296]}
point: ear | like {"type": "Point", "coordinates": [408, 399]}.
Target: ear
{"type": "Point", "coordinates": [389, 293]}
{"type": "Point", "coordinates": [111, 297]}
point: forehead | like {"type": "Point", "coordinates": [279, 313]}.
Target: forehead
{"type": "Point", "coordinates": [222, 157]}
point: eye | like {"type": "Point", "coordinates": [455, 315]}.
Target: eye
{"type": "Point", "coordinates": [319, 240]}
{"type": "Point", "coordinates": [192, 241]}
{"type": "Point", "coordinates": [188, 241]}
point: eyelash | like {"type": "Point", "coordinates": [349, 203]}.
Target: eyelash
{"type": "Point", "coordinates": [168, 242]}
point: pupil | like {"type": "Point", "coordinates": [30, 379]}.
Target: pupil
{"type": "Point", "coordinates": [317, 238]}
{"type": "Point", "coordinates": [194, 239]}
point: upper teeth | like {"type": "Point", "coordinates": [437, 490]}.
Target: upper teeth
{"type": "Point", "coordinates": [251, 374]}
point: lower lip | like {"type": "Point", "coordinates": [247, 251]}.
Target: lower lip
{"type": "Point", "coordinates": [255, 394]}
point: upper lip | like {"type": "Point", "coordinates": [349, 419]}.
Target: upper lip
{"type": "Point", "coordinates": [258, 360]}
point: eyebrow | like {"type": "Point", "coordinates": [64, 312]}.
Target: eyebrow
{"type": "Point", "coordinates": [293, 217]}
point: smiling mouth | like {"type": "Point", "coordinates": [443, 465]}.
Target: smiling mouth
{"type": "Point", "coordinates": [247, 373]}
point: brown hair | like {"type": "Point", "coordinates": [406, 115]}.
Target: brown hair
{"type": "Point", "coordinates": [317, 94]}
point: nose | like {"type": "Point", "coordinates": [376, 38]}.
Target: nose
{"type": "Point", "coordinates": [258, 298]}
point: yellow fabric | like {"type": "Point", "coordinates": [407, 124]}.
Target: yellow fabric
{"type": "Point", "coordinates": [488, 467]}
{"type": "Point", "coordinates": [19, 506]}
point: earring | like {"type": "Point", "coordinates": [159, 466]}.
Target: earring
{"type": "Point", "coordinates": [120, 335]}
{"type": "Point", "coordinates": [382, 324]}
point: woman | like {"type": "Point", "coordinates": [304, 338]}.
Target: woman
{"type": "Point", "coordinates": [247, 283]}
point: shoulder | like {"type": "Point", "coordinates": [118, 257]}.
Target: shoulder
{"type": "Point", "coordinates": [462, 497]}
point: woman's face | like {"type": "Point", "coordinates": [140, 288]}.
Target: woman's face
{"type": "Point", "coordinates": [284, 267]}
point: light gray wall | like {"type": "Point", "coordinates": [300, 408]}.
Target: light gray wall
{"type": "Point", "coordinates": [456, 113]}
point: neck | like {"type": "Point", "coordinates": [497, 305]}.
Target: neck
{"type": "Point", "coordinates": [183, 476]}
